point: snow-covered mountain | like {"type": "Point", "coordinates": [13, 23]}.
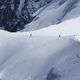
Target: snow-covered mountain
{"type": "Point", "coordinates": [38, 57]}
{"type": "Point", "coordinates": [67, 28]}
{"type": "Point", "coordinates": [56, 12]}
{"type": "Point", "coordinates": [14, 14]}
{"type": "Point", "coordinates": [50, 50]}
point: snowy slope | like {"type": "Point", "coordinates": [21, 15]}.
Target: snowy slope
{"type": "Point", "coordinates": [51, 53]}
{"type": "Point", "coordinates": [55, 13]}
{"type": "Point", "coordinates": [30, 58]}
{"type": "Point", "coordinates": [70, 27]}
{"type": "Point", "coordinates": [41, 57]}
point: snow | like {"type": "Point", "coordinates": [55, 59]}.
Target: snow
{"type": "Point", "coordinates": [24, 57]}
{"type": "Point", "coordinates": [67, 28]}
{"type": "Point", "coordinates": [54, 14]}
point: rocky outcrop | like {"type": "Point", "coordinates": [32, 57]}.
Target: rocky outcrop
{"type": "Point", "coordinates": [14, 14]}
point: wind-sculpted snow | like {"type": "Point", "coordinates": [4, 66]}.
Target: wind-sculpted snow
{"type": "Point", "coordinates": [23, 57]}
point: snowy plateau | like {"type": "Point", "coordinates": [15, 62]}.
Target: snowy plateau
{"type": "Point", "coordinates": [48, 48]}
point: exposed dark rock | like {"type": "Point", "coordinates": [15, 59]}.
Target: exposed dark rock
{"type": "Point", "coordinates": [12, 19]}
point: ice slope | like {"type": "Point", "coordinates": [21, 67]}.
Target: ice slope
{"type": "Point", "coordinates": [57, 11]}
{"type": "Point", "coordinates": [30, 58]}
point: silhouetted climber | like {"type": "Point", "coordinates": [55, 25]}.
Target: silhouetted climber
{"type": "Point", "coordinates": [59, 35]}
{"type": "Point", "coordinates": [30, 35]}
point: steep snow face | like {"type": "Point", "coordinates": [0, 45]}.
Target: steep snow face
{"type": "Point", "coordinates": [14, 14]}
{"type": "Point", "coordinates": [55, 13]}
{"type": "Point", "coordinates": [54, 55]}
{"type": "Point", "coordinates": [23, 57]}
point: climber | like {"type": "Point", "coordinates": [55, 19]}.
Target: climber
{"type": "Point", "coordinates": [59, 35]}
{"type": "Point", "coordinates": [30, 35]}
